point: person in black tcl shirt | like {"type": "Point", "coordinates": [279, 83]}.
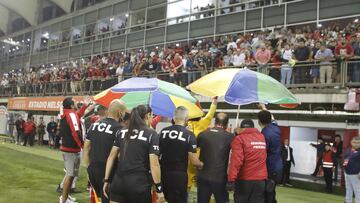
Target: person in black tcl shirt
{"type": "Point", "coordinates": [137, 149]}
{"type": "Point", "coordinates": [214, 145]}
{"type": "Point", "coordinates": [177, 144]}
{"type": "Point", "coordinates": [99, 141]}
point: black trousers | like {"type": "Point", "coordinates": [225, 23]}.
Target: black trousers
{"type": "Point", "coordinates": [96, 172]}
{"type": "Point", "coordinates": [249, 191]}
{"type": "Point", "coordinates": [57, 141]}
{"type": "Point", "coordinates": [286, 172]}
{"type": "Point", "coordinates": [301, 74]}
{"type": "Point", "coordinates": [317, 168]}
{"type": "Point", "coordinates": [20, 136]}
{"type": "Point", "coordinates": [206, 188]}
{"type": "Point", "coordinates": [337, 163]}
{"type": "Point", "coordinates": [328, 178]}
{"type": "Point", "coordinates": [175, 186]}
{"type": "Point", "coordinates": [131, 188]}
{"type": "Point", "coordinates": [30, 138]}
{"type": "Point", "coordinates": [275, 73]}
{"type": "Point", "coordinates": [270, 195]}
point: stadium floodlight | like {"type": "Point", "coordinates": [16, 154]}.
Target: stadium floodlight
{"type": "Point", "coordinates": [10, 41]}
{"type": "Point", "coordinates": [46, 35]}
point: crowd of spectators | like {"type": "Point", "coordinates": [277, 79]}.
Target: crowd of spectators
{"type": "Point", "coordinates": [295, 55]}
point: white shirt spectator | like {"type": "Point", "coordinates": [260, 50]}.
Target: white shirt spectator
{"type": "Point", "coordinates": [119, 70]}
{"type": "Point", "coordinates": [184, 60]}
{"type": "Point", "coordinates": [287, 54]}
{"type": "Point", "coordinates": [239, 60]}
{"type": "Point", "coordinates": [231, 44]}
{"type": "Point", "coordinates": [119, 73]}
{"type": "Point", "coordinates": [73, 63]}
{"type": "Point", "coordinates": [104, 60]}
{"type": "Point", "coordinates": [228, 59]}
{"type": "Point", "coordinates": [4, 82]}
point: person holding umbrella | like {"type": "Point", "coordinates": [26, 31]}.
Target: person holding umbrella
{"type": "Point", "coordinates": [197, 126]}
{"type": "Point", "coordinates": [271, 131]}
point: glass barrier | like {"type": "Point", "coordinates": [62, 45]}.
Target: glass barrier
{"type": "Point", "coordinates": [352, 70]}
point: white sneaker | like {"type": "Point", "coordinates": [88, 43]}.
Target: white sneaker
{"type": "Point", "coordinates": [72, 198]}
{"type": "Point", "coordinates": [67, 201]}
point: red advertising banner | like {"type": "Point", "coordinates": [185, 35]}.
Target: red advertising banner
{"type": "Point", "coordinates": [39, 103]}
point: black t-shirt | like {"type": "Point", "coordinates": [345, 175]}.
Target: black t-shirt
{"type": "Point", "coordinates": [175, 143]}
{"type": "Point", "coordinates": [19, 125]}
{"type": "Point", "coordinates": [200, 61]}
{"type": "Point", "coordinates": [151, 66]}
{"type": "Point", "coordinates": [141, 144]}
{"type": "Point", "coordinates": [302, 53]}
{"type": "Point", "coordinates": [214, 144]}
{"type": "Point", "coordinates": [314, 50]}
{"type": "Point", "coordinates": [102, 135]}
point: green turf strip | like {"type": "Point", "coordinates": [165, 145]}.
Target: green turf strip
{"type": "Point", "coordinates": [31, 175]}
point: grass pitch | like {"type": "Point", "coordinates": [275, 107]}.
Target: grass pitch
{"type": "Point", "coordinates": [31, 175]}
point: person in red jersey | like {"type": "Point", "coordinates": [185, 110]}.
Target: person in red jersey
{"type": "Point", "coordinates": [71, 143]}
{"type": "Point", "coordinates": [29, 131]}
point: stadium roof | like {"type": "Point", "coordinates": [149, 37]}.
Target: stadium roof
{"type": "Point", "coordinates": [28, 9]}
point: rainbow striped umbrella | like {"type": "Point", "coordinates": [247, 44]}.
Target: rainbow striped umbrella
{"type": "Point", "coordinates": [163, 97]}
{"type": "Point", "coordinates": [243, 86]}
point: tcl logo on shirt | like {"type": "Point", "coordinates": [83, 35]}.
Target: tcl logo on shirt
{"type": "Point", "coordinates": [137, 135]}
{"type": "Point", "coordinates": [102, 127]}
{"type": "Point", "coordinates": [173, 134]}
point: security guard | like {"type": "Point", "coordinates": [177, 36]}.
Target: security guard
{"type": "Point", "coordinates": [99, 141]}
{"type": "Point", "coordinates": [138, 150]}
{"type": "Point", "coordinates": [177, 145]}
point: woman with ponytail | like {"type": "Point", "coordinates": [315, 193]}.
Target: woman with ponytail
{"type": "Point", "coordinates": [137, 151]}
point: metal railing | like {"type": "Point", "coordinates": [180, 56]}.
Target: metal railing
{"type": "Point", "coordinates": [307, 75]}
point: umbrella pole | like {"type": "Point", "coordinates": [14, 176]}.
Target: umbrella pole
{"type": "Point", "coordinates": [237, 116]}
{"type": "Point", "coordinates": [150, 100]}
